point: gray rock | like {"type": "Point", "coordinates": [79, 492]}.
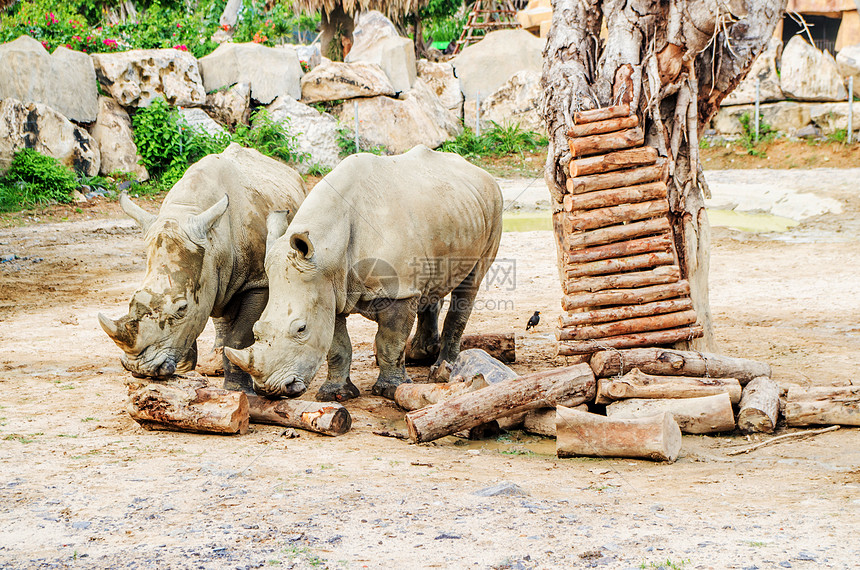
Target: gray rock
{"type": "Point", "coordinates": [271, 72]}
{"type": "Point", "coordinates": [332, 81]}
{"type": "Point", "coordinates": [505, 488]}
{"type": "Point", "coordinates": [808, 132]}
{"type": "Point", "coordinates": [517, 101]}
{"type": "Point", "coordinates": [377, 41]}
{"type": "Point", "coordinates": [230, 106]}
{"type": "Point", "coordinates": [64, 81]}
{"type": "Point", "coordinates": [765, 70]}
{"type": "Point", "coordinates": [198, 120]}
{"type": "Point", "coordinates": [113, 133]}
{"type": "Point", "coordinates": [785, 117]}
{"type": "Point", "coordinates": [440, 78]}
{"type": "Point", "coordinates": [848, 65]}
{"type": "Point", "coordinates": [485, 66]}
{"type": "Point", "coordinates": [316, 132]}
{"type": "Point", "coordinates": [808, 74]}
{"type": "Point", "coordinates": [477, 361]}
{"type": "Point", "coordinates": [831, 117]}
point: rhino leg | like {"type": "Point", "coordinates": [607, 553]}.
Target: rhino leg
{"type": "Point", "coordinates": [462, 301]}
{"type": "Point", "coordinates": [337, 386]}
{"type": "Point", "coordinates": [425, 344]}
{"type": "Point", "coordinates": [395, 323]}
{"type": "Point", "coordinates": [238, 323]}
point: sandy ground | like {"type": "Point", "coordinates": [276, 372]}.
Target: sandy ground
{"type": "Point", "coordinates": [82, 486]}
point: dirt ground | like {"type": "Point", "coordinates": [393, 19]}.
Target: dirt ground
{"type": "Point", "coordinates": [82, 486]}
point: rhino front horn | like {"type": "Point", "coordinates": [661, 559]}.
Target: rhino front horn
{"type": "Point", "coordinates": [112, 328]}
{"type": "Point", "coordinates": [243, 359]}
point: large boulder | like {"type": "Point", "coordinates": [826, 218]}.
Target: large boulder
{"type": "Point", "coordinates": [201, 122]}
{"type": "Point", "coordinates": [400, 124]}
{"type": "Point", "coordinates": [808, 74]}
{"type": "Point", "coordinates": [440, 78]}
{"type": "Point", "coordinates": [483, 67]}
{"type": "Point", "coordinates": [832, 117]}
{"type": "Point", "coordinates": [113, 133]}
{"type": "Point", "coordinates": [315, 132]}
{"type": "Point", "coordinates": [334, 80]}
{"type": "Point", "coordinates": [848, 64]}
{"type": "Point", "coordinates": [230, 106]}
{"type": "Point", "coordinates": [377, 41]}
{"type": "Point", "coordinates": [135, 78]}
{"type": "Point", "coordinates": [37, 126]}
{"type": "Point", "coordinates": [765, 70]}
{"type": "Point", "coordinates": [271, 72]}
{"type": "Point", "coordinates": [517, 101]}
{"type": "Point", "coordinates": [65, 81]}
{"type": "Point", "coordinates": [785, 117]}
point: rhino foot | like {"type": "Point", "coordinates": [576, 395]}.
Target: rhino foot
{"type": "Point", "coordinates": [387, 387]}
{"type": "Point", "coordinates": [337, 391]}
{"type": "Point", "coordinates": [424, 351]}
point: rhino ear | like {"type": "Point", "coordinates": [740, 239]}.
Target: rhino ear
{"type": "Point", "coordinates": [143, 218]}
{"type": "Point", "coordinates": [276, 224]}
{"type": "Point", "coordinates": [203, 222]}
{"type": "Point", "coordinates": [301, 242]}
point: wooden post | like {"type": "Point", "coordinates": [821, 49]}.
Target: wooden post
{"type": "Point", "coordinates": [327, 418]}
{"type": "Point", "coordinates": [707, 414]}
{"type": "Point", "coordinates": [657, 438]}
{"type": "Point", "coordinates": [677, 363]}
{"type": "Point", "coordinates": [669, 336]}
{"type": "Point", "coordinates": [636, 384]}
{"type": "Point", "coordinates": [823, 406]}
{"type": "Point", "coordinates": [759, 406]}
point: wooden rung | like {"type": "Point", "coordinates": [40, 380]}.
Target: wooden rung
{"type": "Point", "coordinates": [654, 338]}
{"type": "Point", "coordinates": [617, 265]}
{"type": "Point", "coordinates": [607, 142]}
{"type": "Point", "coordinates": [625, 312]}
{"type": "Point", "coordinates": [606, 126]}
{"type": "Point", "coordinates": [594, 115]}
{"type": "Point", "coordinates": [626, 296]}
{"type": "Point", "coordinates": [616, 233]}
{"type": "Point", "coordinates": [660, 242]}
{"type": "Point", "coordinates": [619, 178]}
{"type": "Point", "coordinates": [657, 276]}
{"type": "Point", "coordinates": [629, 326]}
{"type": "Point", "coordinates": [613, 161]}
{"type": "Point", "coordinates": [614, 215]}
{"type": "Point", "coordinates": [615, 196]}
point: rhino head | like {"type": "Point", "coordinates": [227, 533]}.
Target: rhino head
{"type": "Point", "coordinates": [294, 333]}
{"type": "Point", "coordinates": [168, 312]}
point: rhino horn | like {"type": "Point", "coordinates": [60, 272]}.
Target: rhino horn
{"type": "Point", "coordinates": [204, 221]}
{"type": "Point", "coordinates": [243, 359]}
{"type": "Point", "coordinates": [114, 329]}
{"type": "Point", "coordinates": [276, 224]}
{"type": "Point", "coordinates": [143, 218]}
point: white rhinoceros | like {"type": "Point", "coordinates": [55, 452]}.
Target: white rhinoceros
{"type": "Point", "coordinates": [201, 262]}
{"type": "Point", "coordinates": [386, 237]}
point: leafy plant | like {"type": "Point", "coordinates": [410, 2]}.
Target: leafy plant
{"type": "Point", "coordinates": [748, 138]}
{"type": "Point", "coordinates": [346, 143]}
{"type": "Point", "coordinates": [34, 179]}
{"type": "Point", "coordinates": [497, 141]}
{"type": "Point", "coordinates": [272, 138]}
{"type": "Point", "coordinates": [838, 136]}
{"type": "Point", "coordinates": [158, 137]}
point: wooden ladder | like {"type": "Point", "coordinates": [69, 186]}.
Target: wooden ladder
{"type": "Point", "coordinates": [485, 20]}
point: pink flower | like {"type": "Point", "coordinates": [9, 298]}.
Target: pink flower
{"type": "Point", "coordinates": [178, 25]}
{"type": "Point", "coordinates": [110, 44]}
{"type": "Point", "coordinates": [181, 47]}
{"type": "Point", "coordinates": [76, 38]}
{"type": "Point", "coordinates": [44, 44]}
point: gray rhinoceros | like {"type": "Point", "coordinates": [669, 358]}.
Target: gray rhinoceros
{"type": "Point", "coordinates": [205, 253]}
{"type": "Point", "coordinates": [386, 237]}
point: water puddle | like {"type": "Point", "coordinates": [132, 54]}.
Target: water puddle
{"type": "Point", "coordinates": [527, 221]}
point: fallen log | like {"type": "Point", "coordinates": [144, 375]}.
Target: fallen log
{"type": "Point", "coordinates": [618, 178]}
{"type": "Point", "coordinates": [707, 414]}
{"type": "Point", "coordinates": [636, 384]}
{"type": "Point", "coordinates": [542, 420]}
{"type": "Point", "coordinates": [413, 396]}
{"type": "Point", "coordinates": [327, 418]}
{"type": "Point", "coordinates": [661, 242]}
{"type": "Point", "coordinates": [501, 346]}
{"type": "Point", "coordinates": [576, 347]}
{"type": "Point", "coordinates": [629, 326]}
{"type": "Point", "coordinates": [759, 406]}
{"type": "Point", "coordinates": [614, 215]}
{"type": "Point", "coordinates": [631, 263]}
{"type": "Point", "coordinates": [601, 114]}
{"type": "Point", "coordinates": [624, 312]}
{"type": "Point", "coordinates": [572, 385]}
{"type": "Point", "coordinates": [658, 276]}
{"type": "Point", "coordinates": [612, 161]}
{"type": "Point", "coordinates": [823, 406]}
{"type": "Point", "coordinates": [657, 438]}
{"type": "Point", "coordinates": [189, 405]}
{"type": "Point", "coordinates": [615, 196]}
{"type": "Point", "coordinates": [625, 296]}
{"type": "Point", "coordinates": [606, 142]}
{"type": "Point", "coordinates": [677, 363]}
{"type": "Point", "coordinates": [615, 233]}
{"type": "Point", "coordinates": [609, 125]}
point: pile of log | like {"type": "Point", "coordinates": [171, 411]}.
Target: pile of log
{"type": "Point", "coordinates": [622, 282]}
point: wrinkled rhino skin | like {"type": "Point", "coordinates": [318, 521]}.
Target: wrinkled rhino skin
{"type": "Point", "coordinates": [386, 237]}
{"type": "Point", "coordinates": [204, 257]}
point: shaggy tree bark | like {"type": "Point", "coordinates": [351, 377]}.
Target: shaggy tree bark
{"type": "Point", "coordinates": [673, 62]}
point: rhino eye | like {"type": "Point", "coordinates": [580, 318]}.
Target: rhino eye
{"type": "Point", "coordinates": [181, 309]}
{"type": "Point", "coordinates": [302, 328]}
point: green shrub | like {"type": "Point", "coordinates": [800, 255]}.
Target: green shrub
{"type": "Point", "coordinates": [497, 141]}
{"type": "Point", "coordinates": [346, 143]}
{"type": "Point", "coordinates": [766, 134]}
{"type": "Point", "coordinates": [34, 179]}
{"type": "Point", "coordinates": [159, 137]}
{"type": "Point", "coordinates": [272, 138]}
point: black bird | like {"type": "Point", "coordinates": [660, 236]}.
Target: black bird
{"type": "Point", "coordinates": [534, 320]}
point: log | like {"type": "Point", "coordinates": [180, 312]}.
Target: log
{"type": "Point", "coordinates": [605, 126]}
{"type": "Point", "coordinates": [625, 296]}
{"type": "Point", "coordinates": [629, 326]}
{"type": "Point", "coordinates": [615, 196]}
{"type": "Point", "coordinates": [501, 346]}
{"type": "Point", "coordinates": [624, 312]}
{"type": "Point", "coordinates": [631, 263]}
{"type": "Point", "coordinates": [670, 362]}
{"type": "Point", "coordinates": [189, 405]}
{"type": "Point", "coordinates": [657, 438]}
{"type": "Point", "coordinates": [613, 215]}
{"type": "Point", "coordinates": [415, 396]}
{"type": "Point", "coordinates": [615, 233]}
{"type": "Point", "coordinates": [327, 418]}
{"type": "Point", "coordinates": [823, 406]}
{"type": "Point", "coordinates": [661, 242]}
{"type": "Point", "coordinates": [601, 114]}
{"type": "Point", "coordinates": [636, 384]}
{"type": "Point", "coordinates": [606, 142]}
{"type": "Point", "coordinates": [571, 385]}
{"type": "Point", "coordinates": [542, 420]}
{"type": "Point", "coordinates": [759, 406]}
{"type": "Point", "coordinates": [658, 276]}
{"type": "Point", "coordinates": [575, 347]}
{"type": "Point", "coordinates": [617, 160]}
{"type": "Point", "coordinates": [707, 414]}
{"type": "Point", "coordinates": [618, 178]}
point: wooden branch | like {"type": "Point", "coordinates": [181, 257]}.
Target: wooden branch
{"type": "Point", "coordinates": [624, 312]}
{"type": "Point", "coordinates": [657, 438]}
{"type": "Point", "coordinates": [572, 385]}
{"type": "Point", "coordinates": [618, 178]}
{"type": "Point", "coordinates": [607, 142]}
{"type": "Point", "coordinates": [759, 406]}
{"type": "Point", "coordinates": [677, 363]}
{"type": "Point", "coordinates": [706, 414]}
{"type": "Point", "coordinates": [613, 161]}
{"type": "Point", "coordinates": [628, 326]}
{"type": "Point", "coordinates": [542, 420]}
{"type": "Point", "coordinates": [189, 405]}
{"type": "Point", "coordinates": [625, 296]}
{"type": "Point", "coordinates": [631, 263]}
{"type": "Point", "coordinates": [574, 347]}
{"type": "Point", "coordinates": [501, 346]}
{"type": "Point", "coordinates": [636, 384]}
{"type": "Point", "coordinates": [602, 114]}
{"type": "Point", "coordinates": [415, 396]}
{"type": "Point", "coordinates": [604, 126]}
{"type": "Point", "coordinates": [822, 406]}
{"type": "Point", "coordinates": [657, 276]}
{"type": "Point", "coordinates": [784, 437]}
{"type": "Point", "coordinates": [615, 233]}
{"type": "Point", "coordinates": [661, 242]}
{"type": "Point", "coordinates": [615, 196]}
{"type": "Point", "coordinates": [603, 217]}
{"type": "Point", "coordinates": [327, 418]}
